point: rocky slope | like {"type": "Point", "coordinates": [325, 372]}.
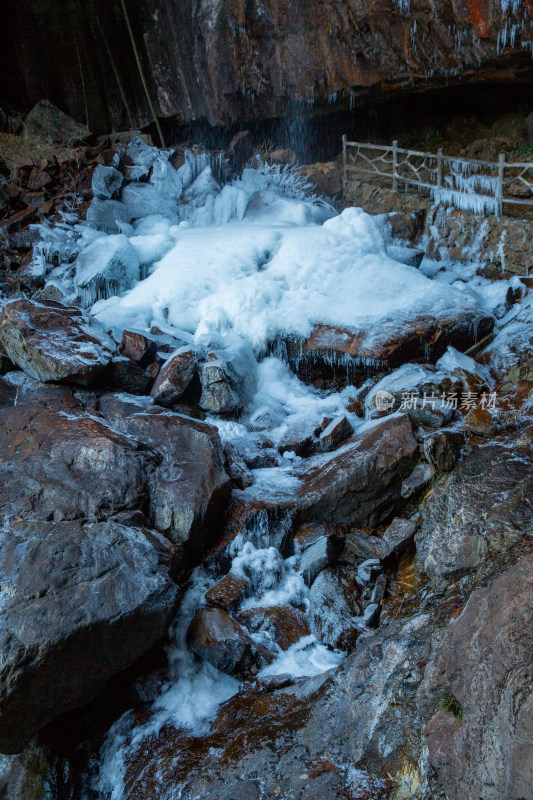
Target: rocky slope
{"type": "Point", "coordinates": [341, 574]}
{"type": "Point", "coordinates": [233, 61]}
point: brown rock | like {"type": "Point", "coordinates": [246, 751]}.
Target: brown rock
{"type": "Point", "coordinates": [335, 433]}
{"type": "Point", "coordinates": [284, 624]}
{"type": "Point", "coordinates": [216, 637]}
{"type": "Point", "coordinates": [229, 592]}
{"type": "Point", "coordinates": [175, 376]}
{"type": "Point", "coordinates": [442, 449]}
{"type": "Point", "coordinates": [50, 341]}
{"type": "Point", "coordinates": [479, 422]}
{"type": "Point", "coordinates": [477, 693]}
{"type": "Point", "coordinates": [138, 348]}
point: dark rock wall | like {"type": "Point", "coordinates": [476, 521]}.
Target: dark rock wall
{"type": "Point", "coordinates": [237, 60]}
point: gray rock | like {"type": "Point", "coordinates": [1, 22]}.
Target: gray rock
{"type": "Point", "coordinates": [236, 467]}
{"type": "Point", "coordinates": [477, 693]}
{"type": "Point", "coordinates": [299, 438]}
{"type": "Point", "coordinates": [51, 342]}
{"type": "Point", "coordinates": [218, 396]}
{"type": "Point", "coordinates": [316, 557]}
{"type": "Point", "coordinates": [432, 416]}
{"type": "Point", "coordinates": [105, 214]}
{"type": "Point", "coordinates": [335, 433]}
{"type": "Point", "coordinates": [417, 480]}
{"type": "Point", "coordinates": [442, 449]}
{"type": "Point", "coordinates": [359, 546]}
{"type": "Point", "coordinates": [412, 256]}
{"type": "Point", "coordinates": [333, 611]}
{"type": "Point", "coordinates": [65, 631]}
{"type": "Point", "coordinates": [106, 181]}
{"type": "Point", "coordinates": [400, 534]}
{"type": "Point", "coordinates": [479, 510]}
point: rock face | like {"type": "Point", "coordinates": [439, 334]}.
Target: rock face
{"type": "Point", "coordinates": [359, 483]}
{"type": "Point", "coordinates": [478, 693]}
{"type": "Point", "coordinates": [50, 341]}
{"type": "Point", "coordinates": [273, 52]}
{"type": "Point", "coordinates": [485, 505]}
{"type": "Point", "coordinates": [65, 631]}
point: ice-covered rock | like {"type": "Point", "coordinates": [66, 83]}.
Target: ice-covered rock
{"type": "Point", "coordinates": [417, 480]}
{"type": "Point", "coordinates": [176, 375]}
{"type": "Point", "coordinates": [106, 215]}
{"type": "Point", "coordinates": [143, 199]}
{"type": "Point", "coordinates": [107, 267]}
{"type": "Point", "coordinates": [138, 158]}
{"type": "Point", "coordinates": [443, 448]}
{"type": "Point", "coordinates": [106, 181]}
{"type": "Point", "coordinates": [51, 342]}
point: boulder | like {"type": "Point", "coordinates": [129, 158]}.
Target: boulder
{"type": "Point", "coordinates": [479, 510]}
{"type": "Point", "coordinates": [175, 376]}
{"type": "Point", "coordinates": [477, 693]}
{"type": "Point", "coordinates": [218, 396]}
{"type": "Point", "coordinates": [359, 546]}
{"type": "Point", "coordinates": [316, 557]}
{"type": "Point", "coordinates": [229, 592]}
{"type": "Point", "coordinates": [107, 267]}
{"type": "Point", "coordinates": [359, 483]}
{"type": "Point", "coordinates": [283, 625]}
{"type": "Point", "coordinates": [189, 488]}
{"type": "Point", "coordinates": [66, 631]}
{"type": "Point", "coordinates": [299, 438]}
{"type": "Point", "coordinates": [400, 535]}
{"type": "Point", "coordinates": [333, 609]}
{"type": "Point", "coordinates": [138, 348]}
{"type": "Point", "coordinates": [236, 467]}
{"type": "Point", "coordinates": [336, 432]}
{"type": "Point", "coordinates": [48, 124]}
{"type": "Point", "coordinates": [106, 215]}
{"type": "Point", "coordinates": [123, 375]}
{"type": "Point", "coordinates": [51, 342]}
{"type": "Point", "coordinates": [443, 449]}
{"type": "Point", "coordinates": [216, 637]}
{"type": "Point", "coordinates": [59, 464]}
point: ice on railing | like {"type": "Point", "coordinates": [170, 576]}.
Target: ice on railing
{"type": "Point", "coordinates": [478, 203]}
{"type": "Point", "coordinates": [473, 184]}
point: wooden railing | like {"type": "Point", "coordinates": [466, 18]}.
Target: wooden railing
{"type": "Point", "coordinates": [480, 186]}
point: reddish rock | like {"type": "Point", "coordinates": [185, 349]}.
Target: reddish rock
{"type": "Point", "coordinates": [50, 341]}
{"type": "Point", "coordinates": [479, 422]}
{"type": "Point", "coordinates": [229, 592]}
{"type": "Point", "coordinates": [175, 376]}
{"type": "Point", "coordinates": [138, 348]}
{"type": "Point", "coordinates": [284, 624]}
{"type": "Point", "coordinates": [216, 637]}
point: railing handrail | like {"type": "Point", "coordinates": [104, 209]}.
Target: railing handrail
{"type": "Point", "coordinates": [436, 172]}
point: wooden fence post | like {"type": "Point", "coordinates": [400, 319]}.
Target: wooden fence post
{"type": "Point", "coordinates": [499, 190]}
{"type": "Point", "coordinates": [439, 167]}
{"type": "Point", "coordinates": [344, 156]}
{"type": "Point", "coordinates": [395, 166]}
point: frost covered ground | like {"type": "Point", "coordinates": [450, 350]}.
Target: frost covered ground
{"type": "Point", "coordinates": [234, 268]}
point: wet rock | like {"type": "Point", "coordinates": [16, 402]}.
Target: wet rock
{"type": "Point", "coordinates": [229, 592]}
{"type": "Point", "coordinates": [335, 433]}
{"type": "Point", "coordinates": [432, 415]}
{"type": "Point", "coordinates": [48, 124]}
{"type": "Point", "coordinates": [106, 181]}
{"type": "Point", "coordinates": [32, 773]}
{"type": "Point", "coordinates": [476, 694]}
{"type": "Point", "coordinates": [50, 341]}
{"type": "Point", "coordinates": [104, 215]}
{"type": "Point", "coordinates": [189, 489]}
{"type": "Point", "coordinates": [216, 637]}
{"type": "Point", "coordinates": [359, 546]}
{"type": "Point", "coordinates": [284, 625]}
{"type": "Point", "coordinates": [332, 611]}
{"type": "Point", "coordinates": [317, 556]}
{"type": "Point", "coordinates": [479, 510]}
{"type": "Point", "coordinates": [417, 480]}
{"type": "Point", "coordinates": [236, 467]}
{"type": "Point", "coordinates": [66, 631]}
{"type": "Point", "coordinates": [479, 422]}
{"type": "Point", "coordinates": [138, 348]}
{"type": "Point", "coordinates": [442, 449]}
{"type": "Point", "coordinates": [218, 396]}
{"type": "Point", "coordinates": [400, 534]}
{"type": "Point", "coordinates": [359, 484]}
{"type": "Point", "coordinates": [59, 464]}
{"type": "Point", "coordinates": [175, 376]}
